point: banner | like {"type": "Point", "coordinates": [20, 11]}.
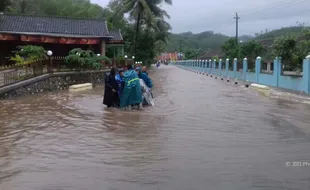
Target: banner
{"type": "Point", "coordinates": [57, 40]}
{"type": "Point", "coordinates": [8, 37]}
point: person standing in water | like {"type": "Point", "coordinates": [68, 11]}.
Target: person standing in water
{"type": "Point", "coordinates": [144, 69]}
{"type": "Point", "coordinates": [111, 97]}
{"type": "Point", "coordinates": [119, 79]}
{"type": "Point", "coordinates": [144, 76]}
{"type": "Point", "coordinates": [131, 94]}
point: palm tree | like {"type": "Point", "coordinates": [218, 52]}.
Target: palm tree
{"type": "Point", "coordinates": [144, 13]}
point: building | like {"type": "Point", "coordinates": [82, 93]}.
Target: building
{"type": "Point", "coordinates": [168, 56]}
{"type": "Point", "coordinates": [57, 34]}
{"type": "Point", "coordinates": [210, 54]}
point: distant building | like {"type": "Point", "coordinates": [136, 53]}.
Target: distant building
{"type": "Point", "coordinates": [168, 56]}
{"type": "Point", "coordinates": [209, 54]}
{"type": "Point", "coordinates": [58, 34]}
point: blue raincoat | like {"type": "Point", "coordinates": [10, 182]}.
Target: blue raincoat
{"type": "Point", "coordinates": [119, 81]}
{"type": "Point", "coordinates": [146, 79]}
{"type": "Point", "coordinates": [132, 93]}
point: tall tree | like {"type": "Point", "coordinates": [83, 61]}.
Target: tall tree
{"type": "Point", "coordinates": [251, 50]}
{"type": "Point", "coordinates": [70, 8]}
{"type": "Point", "coordinates": [230, 48]}
{"type": "Point", "coordinates": [144, 13]}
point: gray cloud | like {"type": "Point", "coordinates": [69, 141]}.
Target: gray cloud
{"type": "Point", "coordinates": [255, 16]}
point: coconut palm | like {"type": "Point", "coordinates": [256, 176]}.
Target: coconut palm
{"type": "Point", "coordinates": [145, 13]}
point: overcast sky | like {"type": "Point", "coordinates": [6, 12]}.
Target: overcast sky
{"type": "Point", "coordinates": [255, 16]}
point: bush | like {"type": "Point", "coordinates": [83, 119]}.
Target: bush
{"type": "Point", "coordinates": [85, 59]}
{"type": "Point", "coordinates": [30, 52]}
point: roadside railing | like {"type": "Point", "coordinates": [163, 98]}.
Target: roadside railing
{"type": "Point", "coordinates": [15, 73]}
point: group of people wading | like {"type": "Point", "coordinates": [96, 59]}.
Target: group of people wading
{"type": "Point", "coordinates": [127, 88]}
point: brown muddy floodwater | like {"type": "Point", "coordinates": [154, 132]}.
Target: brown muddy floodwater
{"type": "Point", "coordinates": [203, 134]}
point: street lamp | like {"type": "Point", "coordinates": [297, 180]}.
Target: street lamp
{"type": "Point", "coordinates": [133, 59]}
{"type": "Point", "coordinates": [49, 54]}
{"type": "Point", "coordinates": [98, 54]}
{"type": "Point", "coordinates": [126, 60]}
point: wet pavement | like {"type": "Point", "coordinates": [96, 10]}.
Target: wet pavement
{"type": "Point", "coordinates": [203, 133]}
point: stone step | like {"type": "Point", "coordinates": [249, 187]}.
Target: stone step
{"type": "Point", "coordinates": [79, 87]}
{"type": "Point", "coordinates": [265, 90]}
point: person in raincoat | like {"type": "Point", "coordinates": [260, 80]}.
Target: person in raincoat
{"type": "Point", "coordinates": [119, 79]}
{"type": "Point", "coordinates": [111, 97]}
{"type": "Point", "coordinates": [146, 94]}
{"type": "Point", "coordinates": [144, 76]}
{"type": "Point", "coordinates": [131, 94]}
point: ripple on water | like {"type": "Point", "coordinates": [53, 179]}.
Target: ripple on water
{"type": "Point", "coordinates": [201, 131]}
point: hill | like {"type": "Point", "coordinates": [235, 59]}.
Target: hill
{"type": "Point", "coordinates": [297, 30]}
{"type": "Point", "coordinates": [209, 40]}
{"type": "Point", "coordinates": [189, 41]}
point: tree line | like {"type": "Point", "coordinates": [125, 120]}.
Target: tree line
{"type": "Point", "coordinates": [145, 30]}
{"type": "Point", "coordinates": [291, 48]}
{"type": "Point", "coordinates": [191, 44]}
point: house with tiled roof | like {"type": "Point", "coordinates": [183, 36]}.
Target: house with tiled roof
{"type": "Point", "coordinates": [58, 34]}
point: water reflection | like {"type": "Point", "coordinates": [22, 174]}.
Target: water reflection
{"type": "Point", "coordinates": [201, 133]}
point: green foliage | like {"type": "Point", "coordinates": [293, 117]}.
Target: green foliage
{"type": "Point", "coordinates": [85, 59]}
{"type": "Point", "coordinates": [188, 41]}
{"type": "Point", "coordinates": [17, 59]}
{"type": "Point", "coordinates": [296, 30]}
{"type": "Point", "coordinates": [147, 15]}
{"type": "Point", "coordinates": [216, 58]}
{"type": "Point", "coordinates": [30, 52]}
{"type": "Point", "coordinates": [286, 48]}
{"type": "Point", "coordinates": [230, 48]}
{"type": "Point", "coordinates": [4, 4]}
{"type": "Point", "coordinates": [152, 19]}
{"type": "Point", "coordinates": [291, 50]}
{"type": "Point", "coordinates": [71, 8]}
{"type": "Point", "coordinates": [251, 50]}
{"type": "Point", "coordinates": [190, 54]}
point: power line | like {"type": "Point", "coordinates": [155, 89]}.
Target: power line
{"type": "Point", "coordinates": [286, 4]}
{"type": "Point", "coordinates": [270, 17]}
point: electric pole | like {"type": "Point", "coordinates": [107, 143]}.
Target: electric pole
{"type": "Point", "coordinates": [237, 20]}
{"type": "Point", "coordinates": [237, 40]}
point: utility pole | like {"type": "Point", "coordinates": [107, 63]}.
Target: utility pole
{"type": "Point", "coordinates": [237, 38]}
{"type": "Point", "coordinates": [237, 20]}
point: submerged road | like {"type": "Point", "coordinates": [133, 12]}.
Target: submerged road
{"type": "Point", "coordinates": [203, 134]}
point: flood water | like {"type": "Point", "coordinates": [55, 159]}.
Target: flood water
{"type": "Point", "coordinates": [202, 134]}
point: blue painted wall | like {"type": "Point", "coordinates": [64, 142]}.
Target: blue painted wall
{"type": "Point", "coordinates": [276, 79]}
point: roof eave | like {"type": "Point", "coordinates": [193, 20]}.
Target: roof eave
{"type": "Point", "coordinates": [55, 35]}
{"type": "Point", "coordinates": [115, 42]}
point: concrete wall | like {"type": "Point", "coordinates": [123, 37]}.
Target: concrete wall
{"type": "Point", "coordinates": [275, 78]}
{"type": "Point", "coordinates": [51, 82]}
